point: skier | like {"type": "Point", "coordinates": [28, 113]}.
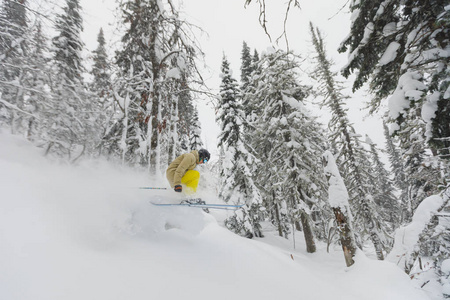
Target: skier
{"type": "Point", "coordinates": [181, 171]}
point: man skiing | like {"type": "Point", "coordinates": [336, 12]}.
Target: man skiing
{"type": "Point", "coordinates": [181, 171]}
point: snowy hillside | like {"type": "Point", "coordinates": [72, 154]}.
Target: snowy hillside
{"type": "Point", "coordinates": [85, 233]}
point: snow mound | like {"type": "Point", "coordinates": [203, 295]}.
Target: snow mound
{"type": "Point", "coordinates": [406, 237]}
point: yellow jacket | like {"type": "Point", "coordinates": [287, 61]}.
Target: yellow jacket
{"type": "Point", "coordinates": [180, 165]}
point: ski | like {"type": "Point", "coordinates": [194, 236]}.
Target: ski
{"type": "Point", "coordinates": [213, 206]}
{"type": "Point", "coordinates": [198, 203]}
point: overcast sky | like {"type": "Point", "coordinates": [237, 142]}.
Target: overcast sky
{"type": "Point", "coordinates": [228, 23]}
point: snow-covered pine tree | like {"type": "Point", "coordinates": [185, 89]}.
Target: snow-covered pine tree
{"type": "Point", "coordinates": [230, 111]}
{"type": "Point", "coordinates": [289, 143]}
{"type": "Point", "coordinates": [352, 158]}
{"type": "Point", "coordinates": [38, 80]}
{"type": "Point", "coordinates": [255, 63]}
{"type": "Point", "coordinates": [255, 60]}
{"type": "Point", "coordinates": [13, 54]}
{"type": "Point", "coordinates": [100, 87]}
{"type": "Point", "coordinates": [401, 48]}
{"type": "Point", "coordinates": [384, 193]}
{"type": "Point", "coordinates": [237, 184]}
{"type": "Point", "coordinates": [251, 67]}
{"type": "Point", "coordinates": [195, 142]}
{"type": "Point", "coordinates": [396, 164]}
{"type": "Point", "coordinates": [182, 119]}
{"type": "Point", "coordinates": [413, 176]}
{"type": "Point", "coordinates": [157, 50]}
{"type": "Point", "coordinates": [422, 168]}
{"type": "Point", "coordinates": [422, 173]}
{"type": "Point", "coordinates": [101, 68]}
{"type": "Point", "coordinates": [248, 108]}
{"type": "Point", "coordinates": [70, 114]}
{"type": "Point", "coordinates": [246, 66]}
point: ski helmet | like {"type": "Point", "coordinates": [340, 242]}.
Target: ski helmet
{"type": "Point", "coordinates": [203, 155]}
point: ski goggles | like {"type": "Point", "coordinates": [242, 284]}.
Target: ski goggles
{"type": "Point", "coordinates": [205, 160]}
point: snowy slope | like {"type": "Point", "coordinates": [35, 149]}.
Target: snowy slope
{"type": "Point", "coordinates": [84, 233]}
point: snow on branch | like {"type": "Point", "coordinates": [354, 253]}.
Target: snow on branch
{"type": "Point", "coordinates": [337, 191]}
{"type": "Point", "coordinates": [16, 108]}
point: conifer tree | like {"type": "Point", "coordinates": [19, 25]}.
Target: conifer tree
{"type": "Point", "coordinates": [352, 157]}
{"type": "Point", "coordinates": [70, 113]}
{"type": "Point", "coordinates": [229, 115]}
{"type": "Point", "coordinates": [255, 60]}
{"type": "Point", "coordinates": [246, 66]}
{"type": "Point", "coordinates": [384, 192]}
{"type": "Point", "coordinates": [289, 144]}
{"type": "Point", "coordinates": [195, 134]}
{"type": "Point", "coordinates": [422, 173]}
{"type": "Point", "coordinates": [413, 175]}
{"type": "Point", "coordinates": [103, 106]}
{"type": "Point", "coordinates": [422, 176]}
{"type": "Point", "coordinates": [397, 167]}
{"type": "Point", "coordinates": [251, 108]}
{"type": "Point", "coordinates": [101, 69]}
{"type": "Point", "coordinates": [237, 183]}
{"type": "Point", "coordinates": [39, 80]}
{"type": "Point", "coordinates": [401, 49]}
{"type": "Point", "coordinates": [13, 58]}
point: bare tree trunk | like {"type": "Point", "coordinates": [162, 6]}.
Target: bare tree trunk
{"type": "Point", "coordinates": [307, 232]}
{"type": "Point", "coordinates": [298, 227]}
{"type": "Point", "coordinates": [346, 236]}
{"type": "Point", "coordinates": [277, 215]}
{"type": "Point", "coordinates": [378, 245]}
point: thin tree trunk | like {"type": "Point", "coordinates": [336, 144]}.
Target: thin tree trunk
{"type": "Point", "coordinates": [173, 140]}
{"type": "Point", "coordinates": [377, 244]}
{"type": "Point", "coordinates": [298, 227]}
{"type": "Point", "coordinates": [154, 132]}
{"type": "Point", "coordinates": [307, 232]}
{"type": "Point", "coordinates": [346, 236]}
{"type": "Point", "coordinates": [277, 216]}
{"type": "Point", "coordinates": [158, 141]}
{"type": "Point", "coordinates": [124, 134]}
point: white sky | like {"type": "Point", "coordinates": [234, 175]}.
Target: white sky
{"type": "Point", "coordinates": [228, 24]}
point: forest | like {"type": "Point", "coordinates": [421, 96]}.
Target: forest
{"type": "Point", "coordinates": [137, 108]}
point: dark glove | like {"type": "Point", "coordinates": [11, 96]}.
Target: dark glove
{"type": "Point", "coordinates": [178, 188]}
